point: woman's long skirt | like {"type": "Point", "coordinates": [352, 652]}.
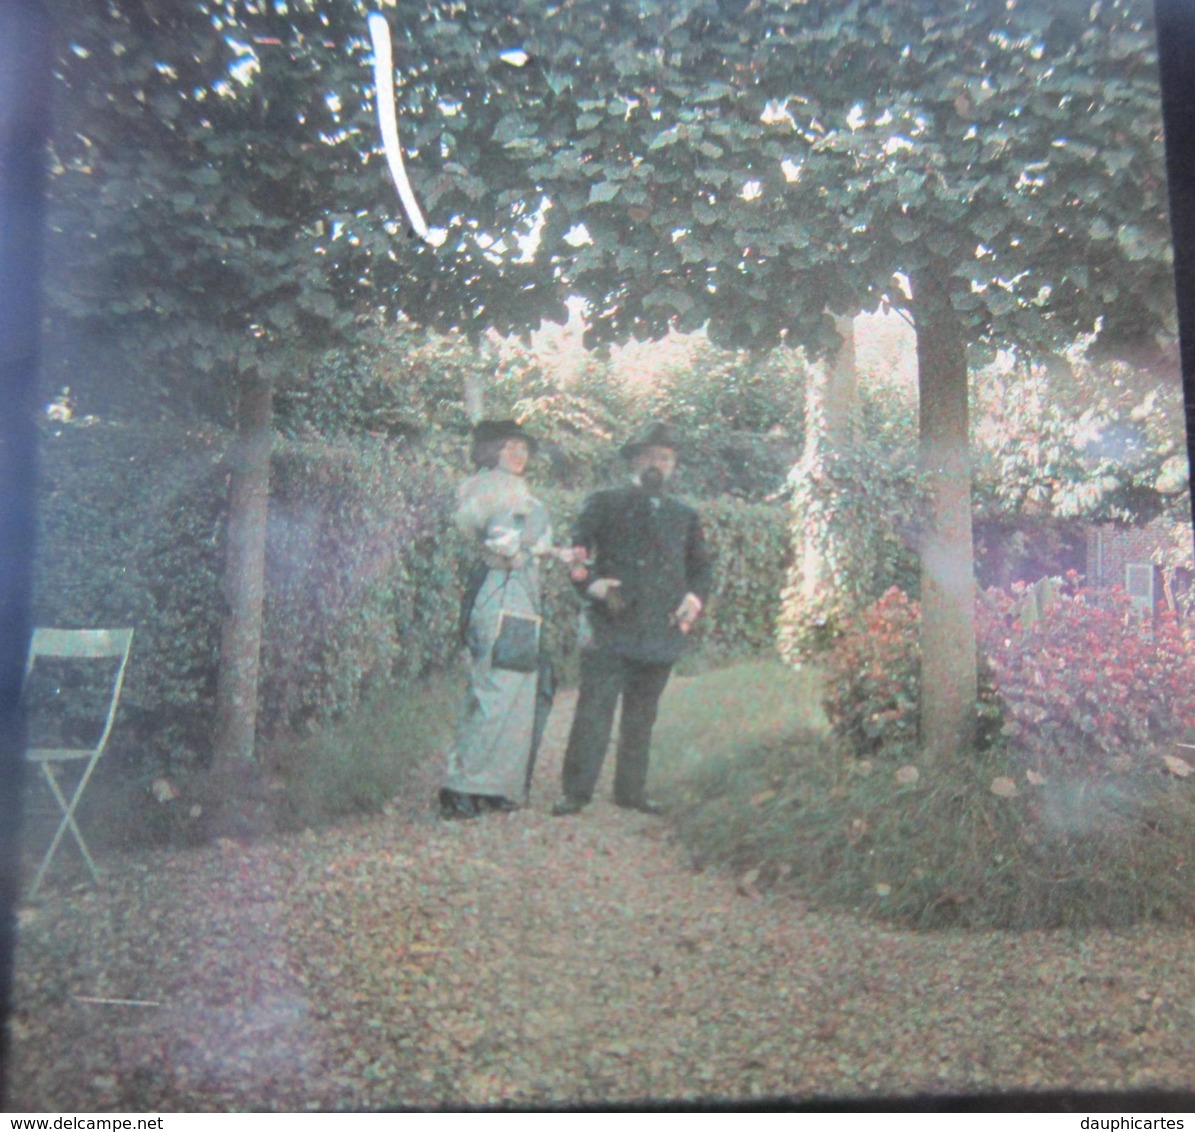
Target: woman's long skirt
{"type": "Point", "coordinates": [493, 740]}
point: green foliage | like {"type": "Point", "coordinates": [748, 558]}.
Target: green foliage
{"type": "Point", "coordinates": [741, 415]}
{"type": "Point", "coordinates": [361, 576]}
{"type": "Point", "coordinates": [398, 381]}
{"type": "Point", "coordinates": [232, 220]}
{"type": "Point", "coordinates": [185, 206]}
{"type": "Point", "coordinates": [926, 847]}
{"type": "Point", "coordinates": [362, 570]}
{"type": "Point", "coordinates": [716, 390]}
{"type": "Point", "coordinates": [1079, 439]}
{"type": "Point", "coordinates": [576, 423]}
{"type": "Point", "coordinates": [860, 511]}
{"type": "Point", "coordinates": [131, 523]}
{"type": "Point", "coordinates": [737, 415]}
{"type": "Point", "coordinates": [749, 542]}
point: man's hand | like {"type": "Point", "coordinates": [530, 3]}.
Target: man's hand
{"type": "Point", "coordinates": [609, 590]}
{"type": "Point", "coordinates": [687, 612]}
{"type": "Point", "coordinates": [604, 588]}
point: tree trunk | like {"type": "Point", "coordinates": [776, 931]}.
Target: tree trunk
{"type": "Point", "coordinates": [948, 658]}
{"type": "Point", "coordinates": [474, 397]}
{"type": "Point", "coordinates": [236, 795]}
{"type": "Point", "coordinates": [840, 392]}
{"type": "Point", "coordinates": [814, 596]}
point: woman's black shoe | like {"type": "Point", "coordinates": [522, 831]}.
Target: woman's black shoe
{"type": "Point", "coordinates": [499, 803]}
{"type": "Point", "coordinates": [455, 806]}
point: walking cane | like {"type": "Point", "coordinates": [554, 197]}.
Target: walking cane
{"type": "Point", "coordinates": [545, 693]}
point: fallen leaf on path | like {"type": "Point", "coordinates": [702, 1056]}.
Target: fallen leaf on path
{"type": "Point", "coordinates": [1179, 767]}
{"type": "Point", "coordinates": [1004, 787]}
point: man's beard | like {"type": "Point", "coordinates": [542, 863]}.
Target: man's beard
{"type": "Point", "coordinates": [652, 481]}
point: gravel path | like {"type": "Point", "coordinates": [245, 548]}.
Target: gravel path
{"type": "Point", "coordinates": [530, 961]}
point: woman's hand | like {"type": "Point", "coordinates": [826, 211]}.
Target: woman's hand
{"type": "Point", "coordinates": [504, 561]}
{"type": "Point", "coordinates": [505, 541]}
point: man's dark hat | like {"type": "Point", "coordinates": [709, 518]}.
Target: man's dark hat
{"type": "Point", "coordinates": [655, 435]}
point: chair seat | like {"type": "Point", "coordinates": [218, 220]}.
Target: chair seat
{"type": "Point", "coordinates": [57, 754]}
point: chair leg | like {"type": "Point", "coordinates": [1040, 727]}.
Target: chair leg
{"type": "Point", "coordinates": [67, 822]}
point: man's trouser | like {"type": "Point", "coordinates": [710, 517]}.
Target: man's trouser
{"type": "Point", "coordinates": [604, 678]}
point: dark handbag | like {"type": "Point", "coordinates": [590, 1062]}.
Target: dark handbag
{"type": "Point", "coordinates": [516, 647]}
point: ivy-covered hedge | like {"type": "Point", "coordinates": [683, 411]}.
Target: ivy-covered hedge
{"type": "Point", "coordinates": [130, 534]}
{"type": "Point", "coordinates": [861, 509]}
{"type": "Point", "coordinates": [360, 574]}
{"type": "Point", "coordinates": [363, 567]}
{"type": "Point", "coordinates": [750, 543]}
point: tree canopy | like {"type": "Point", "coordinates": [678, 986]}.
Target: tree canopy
{"type": "Point", "coordinates": [743, 166]}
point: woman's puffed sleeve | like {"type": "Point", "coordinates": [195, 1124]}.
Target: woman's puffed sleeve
{"type": "Point", "coordinates": [471, 507]}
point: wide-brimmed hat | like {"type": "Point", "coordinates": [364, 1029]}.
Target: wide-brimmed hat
{"type": "Point", "coordinates": [490, 433]}
{"type": "Point", "coordinates": [655, 435]}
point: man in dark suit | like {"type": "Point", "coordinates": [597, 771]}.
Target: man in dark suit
{"type": "Point", "coordinates": [648, 583]}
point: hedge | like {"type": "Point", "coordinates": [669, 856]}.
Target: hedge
{"type": "Point", "coordinates": [129, 534]}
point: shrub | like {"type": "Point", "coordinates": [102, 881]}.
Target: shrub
{"type": "Point", "coordinates": [1078, 689]}
{"type": "Point", "coordinates": [749, 542]}
{"type": "Point", "coordinates": [361, 564]}
{"type": "Point", "coordinates": [400, 381]}
{"type": "Point", "coordinates": [1089, 686]}
{"type": "Point", "coordinates": [872, 696]}
{"type": "Point", "coordinates": [352, 528]}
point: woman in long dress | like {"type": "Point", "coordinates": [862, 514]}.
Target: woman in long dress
{"type": "Point", "coordinates": [488, 764]}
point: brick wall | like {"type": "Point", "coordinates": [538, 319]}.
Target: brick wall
{"type": "Point", "coordinates": [1111, 547]}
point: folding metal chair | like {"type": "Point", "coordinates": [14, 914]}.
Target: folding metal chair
{"type": "Point", "coordinates": [76, 644]}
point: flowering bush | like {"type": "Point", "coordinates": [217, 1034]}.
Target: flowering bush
{"type": "Point", "coordinates": [872, 688]}
{"type": "Point", "coordinates": [1082, 685]}
{"type": "Point", "coordinates": [1090, 685]}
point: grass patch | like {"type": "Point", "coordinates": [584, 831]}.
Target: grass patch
{"type": "Point", "coordinates": [757, 784]}
{"type": "Point", "coordinates": [712, 717]}
{"type": "Point", "coordinates": [371, 757]}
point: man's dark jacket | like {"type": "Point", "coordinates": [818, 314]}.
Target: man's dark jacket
{"type": "Point", "coordinates": [654, 546]}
